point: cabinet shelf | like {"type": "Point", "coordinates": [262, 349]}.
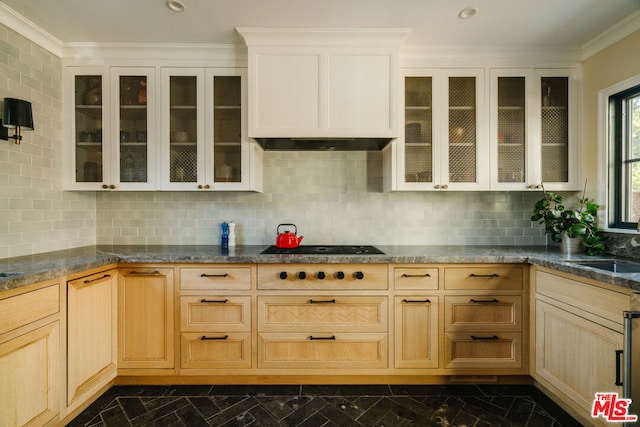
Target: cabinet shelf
{"type": "Point", "coordinates": [510, 108]}
{"type": "Point", "coordinates": [227, 107]}
{"type": "Point", "coordinates": [418, 107]}
{"type": "Point", "coordinates": [462, 107]}
{"type": "Point", "coordinates": [417, 144]}
{"type": "Point", "coordinates": [183, 144]}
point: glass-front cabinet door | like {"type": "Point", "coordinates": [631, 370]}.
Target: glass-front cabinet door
{"type": "Point", "coordinates": [134, 136]}
{"type": "Point", "coordinates": [443, 145]}
{"type": "Point", "coordinates": [182, 101]}
{"type": "Point", "coordinates": [87, 162]}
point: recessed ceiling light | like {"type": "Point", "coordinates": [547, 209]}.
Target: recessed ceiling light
{"type": "Point", "coordinates": [175, 5]}
{"type": "Point", "coordinates": [467, 12]}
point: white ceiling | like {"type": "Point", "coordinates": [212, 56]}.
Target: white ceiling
{"type": "Point", "coordinates": [433, 22]}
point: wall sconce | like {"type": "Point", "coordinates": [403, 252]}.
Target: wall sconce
{"type": "Point", "coordinates": [18, 116]}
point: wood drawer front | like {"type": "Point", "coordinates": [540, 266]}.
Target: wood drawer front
{"type": "Point", "coordinates": [417, 278]}
{"type": "Point", "coordinates": [220, 350]}
{"type": "Point", "coordinates": [483, 313]}
{"type": "Point", "coordinates": [25, 308]}
{"type": "Point", "coordinates": [375, 276]}
{"type": "Point", "coordinates": [322, 314]}
{"type": "Point", "coordinates": [486, 351]}
{"type": "Point", "coordinates": [602, 302]}
{"type": "Point", "coordinates": [339, 351]}
{"type": "Point", "coordinates": [416, 331]}
{"type": "Point", "coordinates": [206, 278]}
{"type": "Point", "coordinates": [481, 277]}
{"type": "Point", "coordinates": [215, 313]}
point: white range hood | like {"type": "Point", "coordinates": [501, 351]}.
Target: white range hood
{"type": "Point", "coordinates": [314, 89]}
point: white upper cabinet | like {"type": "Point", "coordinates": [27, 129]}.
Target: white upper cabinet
{"type": "Point", "coordinates": [204, 140]}
{"type": "Point", "coordinates": [110, 137]}
{"type": "Point", "coordinates": [533, 129]}
{"type": "Point", "coordinates": [443, 144]}
{"type": "Point", "coordinates": [323, 84]}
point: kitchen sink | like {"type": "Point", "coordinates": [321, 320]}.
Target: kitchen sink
{"type": "Point", "coordinates": [614, 265]}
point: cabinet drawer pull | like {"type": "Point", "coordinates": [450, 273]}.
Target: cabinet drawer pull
{"type": "Point", "coordinates": [106, 276]}
{"type": "Point", "coordinates": [331, 338]}
{"type": "Point", "coordinates": [214, 275]}
{"type": "Point", "coordinates": [331, 301]}
{"type": "Point", "coordinates": [220, 301]}
{"type": "Point", "coordinates": [410, 301]}
{"type": "Point", "coordinates": [206, 338]}
{"type": "Point", "coordinates": [484, 275]}
{"type": "Point", "coordinates": [493, 337]}
{"type": "Point", "coordinates": [618, 370]}
{"type": "Point", "coordinates": [145, 273]}
{"type": "Point", "coordinates": [416, 275]}
{"type": "Point", "coordinates": [480, 301]}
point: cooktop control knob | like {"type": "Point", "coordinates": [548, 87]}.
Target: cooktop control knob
{"type": "Point", "coordinates": [339, 275]}
{"type": "Point", "coordinates": [320, 275]}
{"type": "Point", "coordinates": [283, 275]}
{"type": "Point", "coordinates": [302, 275]}
{"type": "Point", "coordinates": [358, 275]}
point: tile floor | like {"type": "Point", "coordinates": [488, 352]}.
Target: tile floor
{"type": "Point", "coordinates": [321, 405]}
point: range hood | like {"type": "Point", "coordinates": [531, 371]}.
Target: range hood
{"type": "Point", "coordinates": [323, 89]}
{"type": "Point", "coordinates": [323, 144]}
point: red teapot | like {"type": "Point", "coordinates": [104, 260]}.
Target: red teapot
{"type": "Point", "coordinates": [288, 239]}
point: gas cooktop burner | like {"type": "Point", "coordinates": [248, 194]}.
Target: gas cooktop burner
{"type": "Point", "coordinates": [325, 250]}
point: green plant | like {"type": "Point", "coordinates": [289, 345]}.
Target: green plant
{"type": "Point", "coordinates": [580, 222]}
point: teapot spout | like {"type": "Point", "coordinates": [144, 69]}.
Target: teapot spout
{"type": "Point", "coordinates": [300, 239]}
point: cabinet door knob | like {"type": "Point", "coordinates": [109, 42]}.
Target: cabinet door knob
{"type": "Point", "coordinates": [436, 186]}
{"type": "Point", "coordinates": [199, 187]}
{"type": "Point", "coordinates": [283, 275]}
{"type": "Point", "coordinates": [105, 186]}
{"type": "Point", "coordinates": [112, 187]}
{"type": "Point", "coordinates": [339, 275]}
{"type": "Point", "coordinates": [207, 186]}
{"type": "Point", "coordinates": [445, 186]}
{"type": "Point", "coordinates": [358, 275]}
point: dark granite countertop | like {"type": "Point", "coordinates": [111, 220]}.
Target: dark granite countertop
{"type": "Point", "coordinates": [21, 271]}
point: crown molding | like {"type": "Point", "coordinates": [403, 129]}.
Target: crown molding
{"type": "Point", "coordinates": [622, 29]}
{"type": "Point", "coordinates": [29, 30]}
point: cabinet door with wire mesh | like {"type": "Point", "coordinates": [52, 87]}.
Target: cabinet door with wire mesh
{"type": "Point", "coordinates": [418, 129]}
{"type": "Point", "coordinates": [183, 150]}
{"type": "Point", "coordinates": [554, 131]}
{"type": "Point", "coordinates": [227, 129]}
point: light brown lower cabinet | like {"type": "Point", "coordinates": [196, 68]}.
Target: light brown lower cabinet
{"type": "Point", "coordinates": [146, 318]}
{"type": "Point", "coordinates": [416, 331]}
{"type": "Point", "coordinates": [468, 350]}
{"type": "Point", "coordinates": [91, 335]}
{"type": "Point", "coordinates": [215, 350]}
{"type": "Point", "coordinates": [30, 357]}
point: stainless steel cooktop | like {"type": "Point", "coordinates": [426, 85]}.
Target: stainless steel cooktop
{"type": "Point", "coordinates": [325, 250]}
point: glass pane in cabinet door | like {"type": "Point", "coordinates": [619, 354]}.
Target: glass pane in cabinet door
{"type": "Point", "coordinates": [183, 125]}
{"type": "Point", "coordinates": [555, 129]}
{"type": "Point", "coordinates": [462, 129]}
{"type": "Point", "coordinates": [88, 131]}
{"type": "Point", "coordinates": [227, 128]}
{"type": "Point", "coordinates": [511, 129]}
{"type": "Point", "coordinates": [133, 129]}
{"type": "Point", "coordinates": [418, 134]}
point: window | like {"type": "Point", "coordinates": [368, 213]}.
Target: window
{"type": "Point", "coordinates": [624, 167]}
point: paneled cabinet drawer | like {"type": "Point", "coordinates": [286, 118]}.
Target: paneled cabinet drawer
{"type": "Point", "coordinates": [218, 350]}
{"type": "Point", "coordinates": [483, 350]}
{"type": "Point", "coordinates": [322, 350]}
{"type": "Point", "coordinates": [415, 278]}
{"type": "Point", "coordinates": [25, 308]}
{"type": "Point", "coordinates": [483, 277]}
{"type": "Point", "coordinates": [212, 278]}
{"type": "Point", "coordinates": [215, 313]}
{"type": "Point", "coordinates": [483, 313]}
{"type": "Point", "coordinates": [322, 314]}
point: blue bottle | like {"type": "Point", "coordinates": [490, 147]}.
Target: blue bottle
{"type": "Point", "coordinates": [224, 236]}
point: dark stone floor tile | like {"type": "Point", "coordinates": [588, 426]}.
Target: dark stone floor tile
{"type": "Point", "coordinates": [409, 389]}
{"type": "Point", "coordinates": [263, 417]}
{"type": "Point", "coordinates": [188, 390]}
{"type": "Point", "coordinates": [241, 420]}
{"type": "Point", "coordinates": [234, 412]}
{"type": "Point", "coordinates": [464, 418]}
{"type": "Point", "coordinates": [132, 407]}
{"type": "Point", "coordinates": [168, 420]}
{"type": "Point", "coordinates": [540, 420]}
{"type": "Point", "coordinates": [255, 390]}
{"type": "Point", "coordinates": [191, 417]}
{"type": "Point", "coordinates": [339, 417]}
{"type": "Point", "coordinates": [204, 406]}
{"type": "Point", "coordinates": [114, 417]}
{"type": "Point", "coordinates": [140, 390]}
{"type": "Point", "coordinates": [408, 409]}
{"type": "Point", "coordinates": [315, 420]}
{"type": "Point", "coordinates": [346, 390]}
{"type": "Point", "coordinates": [305, 411]}
{"type": "Point", "coordinates": [486, 404]}
{"type": "Point", "coordinates": [349, 406]}
{"type": "Point", "coordinates": [365, 402]}
{"type": "Point", "coordinates": [159, 408]}
{"type": "Point", "coordinates": [376, 412]}
{"type": "Point", "coordinates": [278, 407]}
{"type": "Point", "coordinates": [520, 411]}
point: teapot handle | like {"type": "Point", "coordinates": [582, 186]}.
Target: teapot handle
{"type": "Point", "coordinates": [280, 225]}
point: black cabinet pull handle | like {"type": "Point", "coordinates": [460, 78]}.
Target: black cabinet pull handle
{"type": "Point", "coordinates": [479, 301]}
{"type": "Point", "coordinates": [493, 337]}
{"type": "Point", "coordinates": [416, 275]}
{"type": "Point", "coordinates": [484, 275]}
{"type": "Point", "coordinates": [214, 275]}
{"type": "Point", "coordinates": [331, 301]}
{"type": "Point", "coordinates": [145, 273]}
{"type": "Point", "coordinates": [331, 338]}
{"type": "Point", "coordinates": [221, 301]}
{"type": "Point", "coordinates": [618, 367]}
{"type": "Point", "coordinates": [97, 278]}
{"type": "Point", "coordinates": [409, 301]}
{"type": "Point", "coordinates": [206, 338]}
